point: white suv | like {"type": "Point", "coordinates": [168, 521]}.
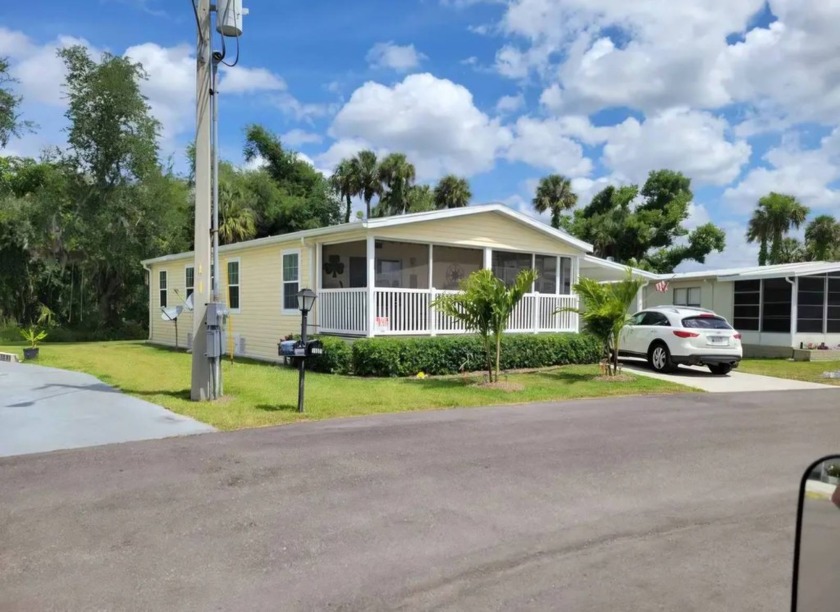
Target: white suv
{"type": "Point", "coordinates": [671, 335]}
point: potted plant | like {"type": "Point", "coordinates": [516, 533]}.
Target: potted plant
{"type": "Point", "coordinates": [33, 336]}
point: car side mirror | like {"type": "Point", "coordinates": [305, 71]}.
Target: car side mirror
{"type": "Point", "coordinates": [816, 555]}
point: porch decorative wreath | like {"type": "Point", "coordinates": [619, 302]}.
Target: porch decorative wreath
{"type": "Point", "coordinates": [454, 275]}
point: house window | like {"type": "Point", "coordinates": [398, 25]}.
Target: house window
{"type": "Point", "coordinates": [747, 305]}
{"type": "Point", "coordinates": [775, 305]}
{"type": "Point", "coordinates": [546, 268]}
{"type": "Point", "coordinates": [833, 314]}
{"type": "Point", "coordinates": [291, 280]}
{"type": "Point", "coordinates": [233, 284]}
{"type": "Point", "coordinates": [507, 266]}
{"type": "Point", "coordinates": [189, 280]}
{"type": "Point", "coordinates": [810, 304]}
{"type": "Point", "coordinates": [162, 288]}
{"type": "Point", "coordinates": [566, 275]}
{"type": "Point", "coordinates": [687, 296]}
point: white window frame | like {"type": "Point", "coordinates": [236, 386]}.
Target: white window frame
{"type": "Point", "coordinates": [283, 281]}
{"type": "Point", "coordinates": [186, 286]}
{"type": "Point", "coordinates": [687, 295]}
{"type": "Point", "coordinates": [238, 261]}
{"type": "Point", "coordinates": [163, 288]}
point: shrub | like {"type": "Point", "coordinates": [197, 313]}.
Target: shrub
{"type": "Point", "coordinates": [452, 354]}
{"type": "Point", "coordinates": [337, 357]}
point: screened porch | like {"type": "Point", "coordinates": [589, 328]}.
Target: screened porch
{"type": "Point", "coordinates": [408, 276]}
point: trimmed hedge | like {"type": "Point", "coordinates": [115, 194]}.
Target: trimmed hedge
{"type": "Point", "coordinates": [451, 354]}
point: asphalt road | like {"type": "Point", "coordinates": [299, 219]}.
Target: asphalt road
{"type": "Point", "coordinates": [657, 503]}
{"type": "Point", "coordinates": [819, 557]}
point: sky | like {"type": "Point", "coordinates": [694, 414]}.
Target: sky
{"type": "Point", "coordinates": [742, 96]}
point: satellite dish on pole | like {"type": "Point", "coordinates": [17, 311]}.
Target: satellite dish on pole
{"type": "Point", "coordinates": [172, 313]}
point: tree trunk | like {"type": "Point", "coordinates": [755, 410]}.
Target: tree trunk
{"type": "Point", "coordinates": [367, 206]}
{"type": "Point", "coordinates": [498, 354]}
{"type": "Point", "coordinates": [555, 218]}
{"type": "Point", "coordinates": [615, 357]}
{"type": "Point", "coordinates": [347, 214]}
{"type": "Point", "coordinates": [488, 362]}
{"type": "Point", "coordinates": [762, 252]}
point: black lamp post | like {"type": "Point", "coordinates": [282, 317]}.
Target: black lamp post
{"type": "Point", "coordinates": [306, 300]}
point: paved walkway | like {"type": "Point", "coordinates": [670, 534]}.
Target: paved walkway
{"type": "Point", "coordinates": [44, 409]}
{"type": "Point", "coordinates": [734, 382]}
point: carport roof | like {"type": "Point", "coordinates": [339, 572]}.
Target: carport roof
{"type": "Point", "coordinates": [791, 270]}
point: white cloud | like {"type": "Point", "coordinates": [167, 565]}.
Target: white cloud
{"type": "Point", "coordinates": [239, 79]}
{"type": "Point", "coordinates": [543, 144]}
{"type": "Point", "coordinates": [510, 104]}
{"type": "Point", "coordinates": [433, 121]}
{"type": "Point", "coordinates": [692, 142]}
{"type": "Point", "coordinates": [396, 57]}
{"type": "Point", "coordinates": [804, 173]}
{"type": "Point", "coordinates": [297, 137]}
{"type": "Point", "coordinates": [737, 254]}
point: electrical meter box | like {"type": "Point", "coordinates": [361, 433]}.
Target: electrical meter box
{"type": "Point", "coordinates": [216, 313]}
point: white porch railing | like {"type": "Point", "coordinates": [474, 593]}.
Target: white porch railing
{"type": "Point", "coordinates": [342, 311]}
{"type": "Point", "coordinates": [408, 312]}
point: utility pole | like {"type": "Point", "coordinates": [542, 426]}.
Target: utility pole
{"type": "Point", "coordinates": [202, 383]}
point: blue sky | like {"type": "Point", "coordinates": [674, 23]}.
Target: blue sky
{"type": "Point", "coordinates": [741, 95]}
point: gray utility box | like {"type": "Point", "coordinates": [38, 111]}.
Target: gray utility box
{"type": "Point", "coordinates": [214, 343]}
{"type": "Point", "coordinates": [216, 313]}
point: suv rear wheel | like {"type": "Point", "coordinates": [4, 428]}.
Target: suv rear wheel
{"type": "Point", "coordinates": [721, 369]}
{"type": "Point", "coordinates": [659, 358]}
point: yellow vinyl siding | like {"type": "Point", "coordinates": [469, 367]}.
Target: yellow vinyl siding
{"type": "Point", "coordinates": [487, 230]}
{"type": "Point", "coordinates": [714, 295]}
{"type": "Point", "coordinates": [260, 319]}
{"type": "Point", "coordinates": [161, 331]}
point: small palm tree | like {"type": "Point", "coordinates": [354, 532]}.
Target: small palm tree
{"type": "Point", "coordinates": [236, 222]}
{"type": "Point", "coordinates": [604, 310]}
{"type": "Point", "coordinates": [822, 237]}
{"type": "Point", "coordinates": [452, 192]}
{"type": "Point", "coordinates": [366, 171]}
{"type": "Point", "coordinates": [420, 199]}
{"type": "Point", "coordinates": [397, 176]}
{"type": "Point", "coordinates": [554, 194]}
{"type": "Point", "coordinates": [344, 182]}
{"type": "Point", "coordinates": [792, 251]}
{"type": "Point", "coordinates": [484, 305]}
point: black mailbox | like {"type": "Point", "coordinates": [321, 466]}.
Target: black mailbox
{"type": "Point", "coordinates": [314, 347]}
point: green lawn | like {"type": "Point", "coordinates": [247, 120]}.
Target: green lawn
{"type": "Point", "coordinates": [260, 394]}
{"type": "Point", "coordinates": [810, 371]}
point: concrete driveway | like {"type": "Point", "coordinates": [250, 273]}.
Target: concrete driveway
{"type": "Point", "coordinates": [734, 382]}
{"type": "Point", "coordinates": [678, 502]}
{"type": "Point", "coordinates": [45, 409]}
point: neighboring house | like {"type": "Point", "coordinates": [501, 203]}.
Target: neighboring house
{"type": "Point", "coordinates": [378, 277]}
{"type": "Point", "coordinates": [776, 308]}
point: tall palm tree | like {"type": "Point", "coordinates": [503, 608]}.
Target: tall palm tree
{"type": "Point", "coordinates": [822, 236]}
{"type": "Point", "coordinates": [344, 182]}
{"type": "Point", "coordinates": [784, 212]}
{"type": "Point", "coordinates": [366, 170]}
{"type": "Point", "coordinates": [397, 176]}
{"type": "Point", "coordinates": [758, 230]}
{"type": "Point", "coordinates": [554, 195]}
{"type": "Point", "coordinates": [452, 192]}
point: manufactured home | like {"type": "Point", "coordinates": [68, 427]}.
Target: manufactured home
{"type": "Point", "coordinates": [775, 308]}
{"type": "Point", "coordinates": [377, 277]}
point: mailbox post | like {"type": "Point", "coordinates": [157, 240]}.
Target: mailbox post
{"type": "Point", "coordinates": [306, 299]}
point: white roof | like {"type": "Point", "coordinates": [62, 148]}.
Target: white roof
{"type": "Point", "coordinates": [618, 267]}
{"type": "Point", "coordinates": [756, 272]}
{"type": "Point", "coordinates": [449, 213]}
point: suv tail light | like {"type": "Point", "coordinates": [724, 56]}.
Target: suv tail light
{"type": "Point", "coordinates": [685, 334]}
{"type": "Point", "coordinates": [737, 336]}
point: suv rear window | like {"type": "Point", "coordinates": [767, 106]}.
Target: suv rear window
{"type": "Point", "coordinates": [706, 322]}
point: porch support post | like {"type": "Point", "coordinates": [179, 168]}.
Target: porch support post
{"type": "Point", "coordinates": [575, 279]}
{"type": "Point", "coordinates": [488, 258]}
{"type": "Point", "coordinates": [432, 325]}
{"type": "Point", "coordinates": [794, 307]}
{"type": "Point", "coordinates": [371, 285]}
